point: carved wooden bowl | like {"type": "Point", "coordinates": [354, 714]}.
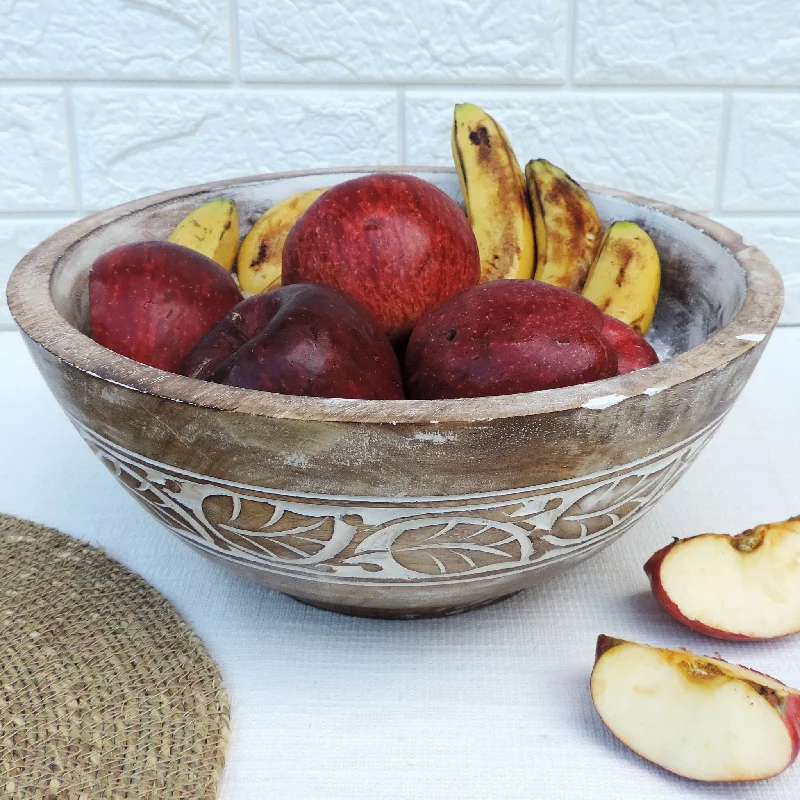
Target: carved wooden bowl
{"type": "Point", "coordinates": [401, 508]}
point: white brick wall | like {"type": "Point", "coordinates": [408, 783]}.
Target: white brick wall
{"type": "Point", "coordinates": [660, 145]}
{"type": "Point", "coordinates": [137, 141]}
{"type": "Point", "coordinates": [416, 41]}
{"type": "Point", "coordinates": [693, 101]}
{"type": "Point", "coordinates": [34, 151]}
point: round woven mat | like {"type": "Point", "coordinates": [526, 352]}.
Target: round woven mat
{"type": "Point", "coordinates": [105, 692]}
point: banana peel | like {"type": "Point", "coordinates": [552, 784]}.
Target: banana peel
{"type": "Point", "coordinates": [211, 229]}
{"type": "Point", "coordinates": [625, 277]}
{"type": "Point", "coordinates": [568, 230]}
{"type": "Point", "coordinates": [495, 194]}
{"type": "Point", "coordinates": [261, 253]}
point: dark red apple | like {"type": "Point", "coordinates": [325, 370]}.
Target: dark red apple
{"type": "Point", "coordinates": [633, 350]}
{"type": "Point", "coordinates": [397, 244]}
{"type": "Point", "coordinates": [507, 336]}
{"type": "Point", "coordinates": [304, 339]}
{"type": "Point", "coordinates": [152, 301]}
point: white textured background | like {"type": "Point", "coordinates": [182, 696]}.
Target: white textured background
{"type": "Point", "coordinates": [693, 101]}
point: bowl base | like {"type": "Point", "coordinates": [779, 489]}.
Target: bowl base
{"type": "Point", "coordinates": [402, 613]}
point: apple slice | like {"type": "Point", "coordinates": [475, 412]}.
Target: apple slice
{"type": "Point", "coordinates": [732, 587]}
{"type": "Point", "coordinates": [698, 717]}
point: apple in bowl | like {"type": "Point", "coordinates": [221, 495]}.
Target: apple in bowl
{"type": "Point", "coordinates": [304, 339]}
{"type": "Point", "coordinates": [152, 301]}
{"type": "Point", "coordinates": [396, 243]}
{"type": "Point", "coordinates": [505, 337]}
{"type": "Point", "coordinates": [523, 480]}
{"type": "Point", "coordinates": [632, 349]}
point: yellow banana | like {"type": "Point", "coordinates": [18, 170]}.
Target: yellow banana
{"type": "Point", "coordinates": [213, 230]}
{"type": "Point", "coordinates": [494, 194]}
{"type": "Point", "coordinates": [568, 230]}
{"type": "Point", "coordinates": [259, 263]}
{"type": "Point", "coordinates": [625, 278]}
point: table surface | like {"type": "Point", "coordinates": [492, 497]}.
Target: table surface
{"type": "Point", "coordinates": [492, 704]}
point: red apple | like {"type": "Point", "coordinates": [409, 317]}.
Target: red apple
{"type": "Point", "coordinates": [397, 244]}
{"type": "Point", "coordinates": [732, 587]}
{"type": "Point", "coordinates": [152, 301]}
{"type": "Point", "coordinates": [507, 336]}
{"type": "Point", "coordinates": [695, 716]}
{"type": "Point", "coordinates": [633, 350]}
{"type": "Point", "coordinates": [304, 339]}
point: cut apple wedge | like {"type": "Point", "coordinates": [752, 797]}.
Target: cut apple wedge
{"type": "Point", "coordinates": [698, 717]}
{"type": "Point", "coordinates": [732, 587]}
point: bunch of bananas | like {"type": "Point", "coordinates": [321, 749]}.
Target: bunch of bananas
{"type": "Point", "coordinates": [543, 225]}
{"type": "Point", "coordinates": [538, 224]}
{"type": "Point", "coordinates": [213, 230]}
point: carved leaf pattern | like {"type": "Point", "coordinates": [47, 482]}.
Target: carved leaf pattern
{"type": "Point", "coordinates": [452, 546]}
{"type": "Point", "coordinates": [606, 506]}
{"type": "Point", "coordinates": [452, 538]}
{"type": "Point", "coordinates": [135, 482]}
{"type": "Point", "coordinates": [262, 527]}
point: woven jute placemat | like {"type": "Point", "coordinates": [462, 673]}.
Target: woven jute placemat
{"type": "Point", "coordinates": [106, 693]}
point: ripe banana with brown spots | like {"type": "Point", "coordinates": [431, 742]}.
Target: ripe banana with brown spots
{"type": "Point", "coordinates": [568, 230]}
{"type": "Point", "coordinates": [213, 230]}
{"type": "Point", "coordinates": [260, 256]}
{"type": "Point", "coordinates": [495, 194]}
{"type": "Point", "coordinates": [625, 278]}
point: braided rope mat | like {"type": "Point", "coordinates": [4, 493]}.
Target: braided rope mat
{"type": "Point", "coordinates": [104, 691]}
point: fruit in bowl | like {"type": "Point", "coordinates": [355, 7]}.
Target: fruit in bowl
{"type": "Point", "coordinates": [152, 301]}
{"type": "Point", "coordinates": [568, 230]}
{"type": "Point", "coordinates": [402, 507]}
{"type": "Point", "coordinates": [493, 188]}
{"type": "Point", "coordinates": [505, 337]}
{"type": "Point", "coordinates": [632, 349]}
{"type": "Point", "coordinates": [260, 259]}
{"type": "Point", "coordinates": [304, 339]}
{"type": "Point", "coordinates": [211, 229]}
{"type": "Point", "coordinates": [404, 251]}
{"type": "Point", "coordinates": [396, 243]}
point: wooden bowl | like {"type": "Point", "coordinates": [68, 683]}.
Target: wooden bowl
{"type": "Point", "coordinates": [401, 508]}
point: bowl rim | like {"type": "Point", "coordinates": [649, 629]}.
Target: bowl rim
{"type": "Point", "coordinates": [33, 310]}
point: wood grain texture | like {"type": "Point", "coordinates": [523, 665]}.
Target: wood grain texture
{"type": "Point", "coordinates": [372, 465]}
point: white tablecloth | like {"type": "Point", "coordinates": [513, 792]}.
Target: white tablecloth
{"type": "Point", "coordinates": [492, 704]}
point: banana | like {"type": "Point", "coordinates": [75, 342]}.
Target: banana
{"type": "Point", "coordinates": [259, 263]}
{"type": "Point", "coordinates": [494, 194]}
{"type": "Point", "coordinates": [213, 230]}
{"type": "Point", "coordinates": [568, 230]}
{"type": "Point", "coordinates": [625, 278]}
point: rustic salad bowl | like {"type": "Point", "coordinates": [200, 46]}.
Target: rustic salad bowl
{"type": "Point", "coordinates": [401, 508]}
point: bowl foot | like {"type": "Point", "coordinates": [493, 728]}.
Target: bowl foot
{"type": "Point", "coordinates": [402, 613]}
